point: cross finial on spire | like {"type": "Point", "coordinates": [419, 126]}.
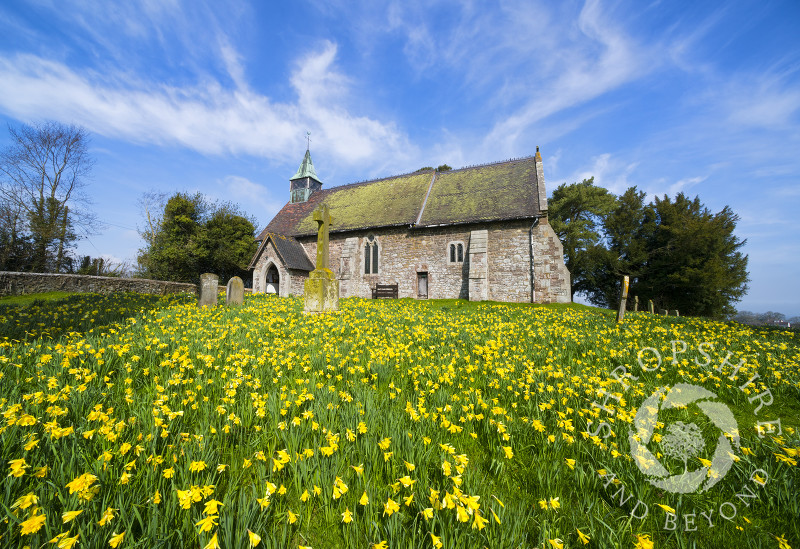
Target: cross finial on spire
{"type": "Point", "coordinates": [308, 140]}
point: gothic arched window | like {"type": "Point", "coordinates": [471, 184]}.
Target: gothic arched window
{"type": "Point", "coordinates": [370, 255]}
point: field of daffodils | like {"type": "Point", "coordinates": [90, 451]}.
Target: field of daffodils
{"type": "Point", "coordinates": [138, 421]}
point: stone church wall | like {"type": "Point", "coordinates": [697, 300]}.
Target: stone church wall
{"type": "Point", "coordinates": [404, 254]}
{"type": "Point", "coordinates": [503, 248]}
{"type": "Point", "coordinates": [551, 275]}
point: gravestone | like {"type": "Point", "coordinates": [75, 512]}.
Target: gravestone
{"type": "Point", "coordinates": [322, 289]}
{"type": "Point", "coordinates": [209, 287]}
{"type": "Point", "coordinates": [663, 312]}
{"type": "Point", "coordinates": [234, 293]}
{"type": "Point", "coordinates": [636, 304]}
{"type": "Point", "coordinates": [623, 302]}
{"type": "Point", "coordinates": [650, 307]}
{"type": "Point", "coordinates": [676, 313]}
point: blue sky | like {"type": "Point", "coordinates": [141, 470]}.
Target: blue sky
{"type": "Point", "coordinates": [700, 97]}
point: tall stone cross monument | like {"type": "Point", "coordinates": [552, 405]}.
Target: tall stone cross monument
{"type": "Point", "coordinates": [322, 289]}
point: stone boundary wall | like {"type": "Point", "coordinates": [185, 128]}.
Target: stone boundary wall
{"type": "Point", "coordinates": [13, 283]}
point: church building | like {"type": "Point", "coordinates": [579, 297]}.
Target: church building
{"type": "Point", "coordinates": [477, 233]}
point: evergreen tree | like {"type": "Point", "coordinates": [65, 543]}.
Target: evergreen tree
{"type": "Point", "coordinates": [576, 213]}
{"type": "Point", "coordinates": [627, 229]}
{"type": "Point", "coordinates": [192, 237]}
{"type": "Point", "coordinates": [694, 262]}
{"type": "Point", "coordinates": [677, 253]}
{"type": "Point", "coordinates": [229, 243]}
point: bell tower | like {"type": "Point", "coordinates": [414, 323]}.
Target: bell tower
{"type": "Point", "coordinates": [305, 181]}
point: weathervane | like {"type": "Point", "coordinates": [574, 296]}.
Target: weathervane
{"type": "Point", "coordinates": [308, 140]}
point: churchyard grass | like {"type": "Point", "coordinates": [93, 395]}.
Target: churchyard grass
{"type": "Point", "coordinates": [391, 423]}
{"type": "Point", "coordinates": [29, 299]}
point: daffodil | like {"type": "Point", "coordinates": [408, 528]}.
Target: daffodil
{"type": "Point", "coordinates": [32, 525]}
{"type": "Point", "coordinates": [207, 523]}
{"type": "Point", "coordinates": [108, 516]}
{"type": "Point", "coordinates": [212, 543]}
{"type": "Point", "coordinates": [254, 538]}
{"type": "Point", "coordinates": [68, 516]}
{"type": "Point", "coordinates": [643, 542]}
{"type": "Point", "coordinates": [116, 539]}
{"type": "Point", "coordinates": [25, 501]}
{"type": "Point", "coordinates": [390, 507]}
{"type": "Point", "coordinates": [212, 506]}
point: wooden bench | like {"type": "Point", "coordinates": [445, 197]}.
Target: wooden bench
{"type": "Point", "coordinates": [384, 291]}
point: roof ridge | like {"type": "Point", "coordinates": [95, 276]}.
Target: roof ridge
{"type": "Point", "coordinates": [506, 161]}
{"type": "Point", "coordinates": [417, 172]}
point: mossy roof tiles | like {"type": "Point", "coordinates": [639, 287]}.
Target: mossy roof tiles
{"type": "Point", "coordinates": [290, 250]}
{"type": "Point", "coordinates": [504, 190]}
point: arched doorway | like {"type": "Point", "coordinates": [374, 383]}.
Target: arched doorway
{"type": "Point", "coordinates": [273, 280]}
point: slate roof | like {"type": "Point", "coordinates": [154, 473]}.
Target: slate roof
{"type": "Point", "coordinates": [490, 192]}
{"type": "Point", "coordinates": [290, 251]}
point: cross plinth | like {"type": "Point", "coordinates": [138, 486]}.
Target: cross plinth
{"type": "Point", "coordinates": [324, 219]}
{"type": "Point", "coordinates": [322, 288]}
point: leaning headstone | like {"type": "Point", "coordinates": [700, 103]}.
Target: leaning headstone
{"type": "Point", "coordinates": [234, 292]}
{"type": "Point", "coordinates": [209, 287]}
{"type": "Point", "coordinates": [322, 289]}
{"type": "Point", "coordinates": [636, 304]}
{"type": "Point", "coordinates": [623, 302]}
{"type": "Point", "coordinates": [650, 307]}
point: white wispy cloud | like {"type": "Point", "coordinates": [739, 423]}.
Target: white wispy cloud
{"type": "Point", "coordinates": [255, 196]}
{"type": "Point", "coordinates": [685, 184]}
{"type": "Point", "coordinates": [208, 117]}
{"type": "Point", "coordinates": [608, 172]}
{"type": "Point", "coordinates": [600, 59]}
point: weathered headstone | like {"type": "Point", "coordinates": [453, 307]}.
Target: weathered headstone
{"type": "Point", "coordinates": [636, 304]}
{"type": "Point", "coordinates": [234, 293]}
{"type": "Point", "coordinates": [322, 289]}
{"type": "Point", "coordinates": [209, 287]}
{"type": "Point", "coordinates": [623, 302]}
{"type": "Point", "coordinates": [676, 313]}
{"type": "Point", "coordinates": [663, 312]}
{"type": "Point", "coordinates": [650, 307]}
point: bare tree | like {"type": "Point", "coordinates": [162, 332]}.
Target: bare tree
{"type": "Point", "coordinates": [151, 205]}
{"type": "Point", "coordinates": [43, 174]}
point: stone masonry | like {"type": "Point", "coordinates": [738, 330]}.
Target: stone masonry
{"type": "Point", "coordinates": [404, 253]}
{"type": "Point", "coordinates": [14, 283]}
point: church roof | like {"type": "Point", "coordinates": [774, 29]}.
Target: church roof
{"type": "Point", "coordinates": [306, 168]}
{"type": "Point", "coordinates": [490, 192]}
{"type": "Point", "coordinates": [290, 251]}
